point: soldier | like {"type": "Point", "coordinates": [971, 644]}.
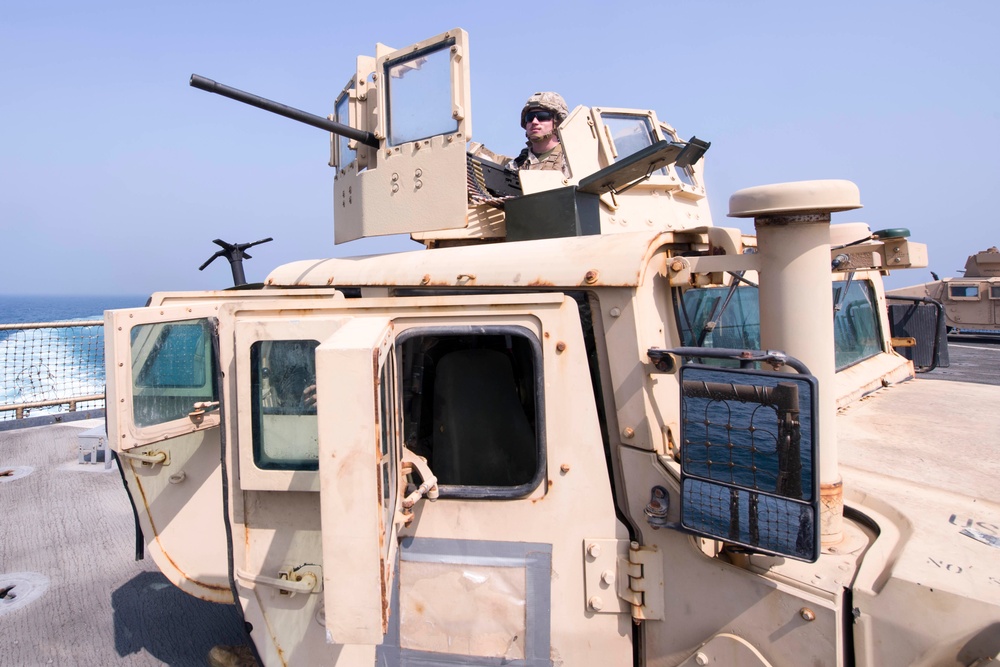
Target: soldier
{"type": "Point", "coordinates": [542, 113]}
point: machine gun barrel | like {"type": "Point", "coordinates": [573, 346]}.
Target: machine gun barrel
{"type": "Point", "coordinates": [367, 138]}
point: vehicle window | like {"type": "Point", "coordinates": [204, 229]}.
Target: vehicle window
{"type": "Point", "coordinates": [171, 370]}
{"type": "Point", "coordinates": [737, 325]}
{"type": "Point", "coordinates": [964, 292]}
{"type": "Point", "coordinates": [736, 318]}
{"type": "Point", "coordinates": [471, 405]}
{"type": "Point", "coordinates": [630, 134]}
{"type": "Point", "coordinates": [685, 174]}
{"type": "Point", "coordinates": [995, 291]}
{"type": "Point", "coordinates": [855, 325]}
{"type": "Point", "coordinates": [341, 114]}
{"type": "Point", "coordinates": [419, 96]}
{"type": "Point", "coordinates": [283, 404]}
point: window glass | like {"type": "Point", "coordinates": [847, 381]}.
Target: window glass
{"type": "Point", "coordinates": [856, 334]}
{"type": "Point", "coordinates": [738, 326]}
{"type": "Point", "coordinates": [171, 370]}
{"type": "Point", "coordinates": [283, 389]}
{"type": "Point", "coordinates": [737, 321]}
{"type": "Point", "coordinates": [630, 134]}
{"type": "Point", "coordinates": [470, 406]}
{"type": "Point", "coordinates": [970, 292]}
{"type": "Point", "coordinates": [685, 175]}
{"type": "Point", "coordinates": [418, 94]}
{"type": "Point", "coordinates": [341, 114]}
{"type": "Point", "coordinates": [995, 291]}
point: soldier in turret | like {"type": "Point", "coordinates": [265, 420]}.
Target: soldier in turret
{"type": "Point", "coordinates": [542, 113]}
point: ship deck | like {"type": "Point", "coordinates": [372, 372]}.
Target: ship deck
{"type": "Point", "coordinates": [88, 602]}
{"type": "Point", "coordinates": [67, 544]}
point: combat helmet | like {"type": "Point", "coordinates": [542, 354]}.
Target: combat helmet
{"type": "Point", "coordinates": [550, 102]}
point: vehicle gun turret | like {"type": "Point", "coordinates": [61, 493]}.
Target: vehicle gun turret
{"type": "Point", "coordinates": [401, 142]}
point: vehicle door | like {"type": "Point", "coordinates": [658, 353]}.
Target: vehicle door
{"type": "Point", "coordinates": [295, 373]}
{"type": "Point", "coordinates": [517, 559]}
{"type": "Point", "coordinates": [163, 422]}
{"type": "Point", "coordinates": [485, 402]}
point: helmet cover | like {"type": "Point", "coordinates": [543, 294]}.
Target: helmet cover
{"type": "Point", "coordinates": [550, 102]}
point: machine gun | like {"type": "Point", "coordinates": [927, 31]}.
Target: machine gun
{"type": "Point", "coordinates": [208, 85]}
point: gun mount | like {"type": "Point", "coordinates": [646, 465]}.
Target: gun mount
{"type": "Point", "coordinates": [235, 253]}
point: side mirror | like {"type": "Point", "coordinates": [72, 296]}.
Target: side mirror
{"type": "Point", "coordinates": [749, 459]}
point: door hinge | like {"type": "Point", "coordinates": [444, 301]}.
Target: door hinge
{"type": "Point", "coordinates": [622, 577]}
{"type": "Point", "coordinates": [640, 582]}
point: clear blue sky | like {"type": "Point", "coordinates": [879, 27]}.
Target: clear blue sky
{"type": "Point", "coordinates": [115, 175]}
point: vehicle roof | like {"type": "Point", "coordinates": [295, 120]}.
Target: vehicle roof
{"type": "Point", "coordinates": [616, 260]}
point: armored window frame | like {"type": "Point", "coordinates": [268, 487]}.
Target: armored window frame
{"type": "Point", "coordinates": [858, 333]}
{"type": "Point", "coordinates": [418, 419]}
{"type": "Point", "coordinates": [962, 292]}
{"type": "Point", "coordinates": [994, 291]}
{"type": "Point", "coordinates": [684, 174]}
{"type": "Point", "coordinates": [169, 374]}
{"type": "Point", "coordinates": [268, 403]}
{"type": "Point", "coordinates": [342, 113]}
{"type": "Point", "coordinates": [606, 117]}
{"type": "Point", "coordinates": [392, 70]}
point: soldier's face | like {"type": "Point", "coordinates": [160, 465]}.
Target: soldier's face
{"type": "Point", "coordinates": [540, 123]}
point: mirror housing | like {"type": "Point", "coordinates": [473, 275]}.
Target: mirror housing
{"type": "Point", "coordinates": [749, 459]}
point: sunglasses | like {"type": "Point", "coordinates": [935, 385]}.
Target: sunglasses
{"type": "Point", "coordinates": [540, 115]}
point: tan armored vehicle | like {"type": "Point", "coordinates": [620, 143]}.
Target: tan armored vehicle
{"type": "Point", "coordinates": [585, 426]}
{"type": "Point", "coordinates": [972, 302]}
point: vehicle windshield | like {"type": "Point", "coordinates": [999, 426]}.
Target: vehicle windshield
{"type": "Point", "coordinates": [736, 317]}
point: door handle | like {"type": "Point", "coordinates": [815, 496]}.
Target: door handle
{"type": "Point", "coordinates": [148, 458]}
{"type": "Point", "coordinates": [305, 579]}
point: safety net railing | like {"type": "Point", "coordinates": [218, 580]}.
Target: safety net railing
{"type": "Point", "coordinates": [50, 368]}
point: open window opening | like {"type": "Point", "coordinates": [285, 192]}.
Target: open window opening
{"type": "Point", "coordinates": [472, 406]}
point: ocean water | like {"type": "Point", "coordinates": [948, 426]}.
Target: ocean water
{"type": "Point", "coordinates": [15, 309]}
{"type": "Point", "coordinates": [50, 364]}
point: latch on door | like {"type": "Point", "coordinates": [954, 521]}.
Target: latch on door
{"type": "Point", "coordinates": [303, 579]}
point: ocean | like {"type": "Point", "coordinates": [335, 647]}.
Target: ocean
{"type": "Point", "coordinates": [15, 309]}
{"type": "Point", "coordinates": [51, 364]}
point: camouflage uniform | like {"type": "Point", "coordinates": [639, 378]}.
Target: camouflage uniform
{"type": "Point", "coordinates": [551, 161]}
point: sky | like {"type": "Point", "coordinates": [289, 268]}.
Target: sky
{"type": "Point", "coordinates": [116, 175]}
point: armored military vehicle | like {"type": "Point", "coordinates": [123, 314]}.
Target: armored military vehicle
{"type": "Point", "coordinates": [584, 426]}
{"type": "Point", "coordinates": [972, 302]}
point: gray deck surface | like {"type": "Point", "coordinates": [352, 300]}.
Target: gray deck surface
{"type": "Point", "coordinates": [972, 359]}
{"type": "Point", "coordinates": [73, 524]}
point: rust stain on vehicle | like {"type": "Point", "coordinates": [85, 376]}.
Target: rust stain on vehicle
{"type": "Point", "coordinates": [218, 588]}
